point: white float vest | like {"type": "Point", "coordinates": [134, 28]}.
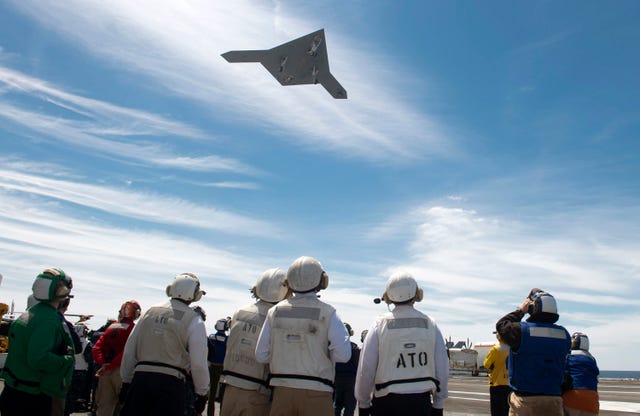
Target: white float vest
{"type": "Point", "coordinates": [240, 367]}
{"type": "Point", "coordinates": [162, 339]}
{"type": "Point", "coordinates": [300, 344]}
{"type": "Point", "coordinates": [406, 359]}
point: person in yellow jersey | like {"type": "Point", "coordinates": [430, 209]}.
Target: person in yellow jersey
{"type": "Point", "coordinates": [496, 363]}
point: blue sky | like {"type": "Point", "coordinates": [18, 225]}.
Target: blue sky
{"type": "Point", "coordinates": [487, 147]}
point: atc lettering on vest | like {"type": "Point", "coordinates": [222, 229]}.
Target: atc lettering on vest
{"type": "Point", "coordinates": [247, 327]}
{"type": "Point", "coordinates": [161, 320]}
{"type": "Point", "coordinates": [412, 359]}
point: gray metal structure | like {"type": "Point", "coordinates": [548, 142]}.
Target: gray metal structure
{"type": "Point", "coordinates": [300, 61]}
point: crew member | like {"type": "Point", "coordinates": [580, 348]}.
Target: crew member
{"type": "Point", "coordinates": [107, 354]}
{"type": "Point", "coordinates": [536, 362]}
{"type": "Point", "coordinates": [496, 364]}
{"type": "Point", "coordinates": [301, 340]}
{"type": "Point", "coordinates": [39, 365]}
{"type": "Point", "coordinates": [404, 367]}
{"type": "Point", "coordinates": [246, 391]}
{"type": "Point", "coordinates": [582, 398]}
{"type": "Point", "coordinates": [345, 383]}
{"type": "Point", "coordinates": [169, 341]}
{"type": "Point", "coordinates": [217, 349]}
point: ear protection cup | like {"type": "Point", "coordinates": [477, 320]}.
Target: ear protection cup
{"type": "Point", "coordinates": [197, 293]}
{"type": "Point", "coordinates": [386, 299]}
{"type": "Point", "coordinates": [419, 295]}
{"type": "Point", "coordinates": [324, 280]}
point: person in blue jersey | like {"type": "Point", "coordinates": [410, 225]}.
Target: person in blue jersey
{"type": "Point", "coordinates": [404, 368]}
{"type": "Point", "coordinates": [581, 399]}
{"type": "Point", "coordinates": [217, 349]}
{"type": "Point", "coordinates": [539, 349]}
{"type": "Point", "coordinates": [345, 382]}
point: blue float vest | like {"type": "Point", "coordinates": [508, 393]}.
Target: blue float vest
{"type": "Point", "coordinates": [538, 365]}
{"type": "Point", "coordinates": [583, 369]}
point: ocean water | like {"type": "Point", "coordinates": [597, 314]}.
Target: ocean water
{"type": "Point", "coordinates": [620, 374]}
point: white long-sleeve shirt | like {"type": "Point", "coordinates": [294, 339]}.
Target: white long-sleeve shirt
{"type": "Point", "coordinates": [368, 365]}
{"type": "Point", "coordinates": [196, 344]}
{"type": "Point", "coordinates": [339, 345]}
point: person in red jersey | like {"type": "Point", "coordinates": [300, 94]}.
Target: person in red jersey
{"type": "Point", "coordinates": [107, 354]}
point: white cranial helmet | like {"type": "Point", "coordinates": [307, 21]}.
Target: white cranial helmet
{"type": "Point", "coordinates": [306, 274]}
{"type": "Point", "coordinates": [401, 288]}
{"type": "Point", "coordinates": [185, 286]}
{"type": "Point", "coordinates": [543, 302]}
{"type": "Point", "coordinates": [271, 286]}
{"type": "Point", "coordinates": [222, 324]}
{"type": "Point", "coordinates": [579, 341]}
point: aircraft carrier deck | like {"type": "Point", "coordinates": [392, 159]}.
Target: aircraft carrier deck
{"type": "Point", "coordinates": [470, 396]}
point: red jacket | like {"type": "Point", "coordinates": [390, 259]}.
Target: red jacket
{"type": "Point", "coordinates": [110, 345]}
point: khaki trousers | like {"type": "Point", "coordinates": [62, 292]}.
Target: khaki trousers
{"type": "Point", "coordinates": [575, 412]}
{"type": "Point", "coordinates": [242, 402]}
{"type": "Point", "coordinates": [300, 402]}
{"type": "Point", "coordinates": [108, 391]}
{"type": "Point", "coordinates": [535, 405]}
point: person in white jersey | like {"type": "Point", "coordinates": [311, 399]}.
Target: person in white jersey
{"type": "Point", "coordinates": [302, 339]}
{"type": "Point", "coordinates": [404, 367]}
{"type": "Point", "coordinates": [246, 390]}
{"type": "Point", "coordinates": [168, 344]}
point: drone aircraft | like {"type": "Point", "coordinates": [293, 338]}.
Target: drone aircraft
{"type": "Point", "coordinates": [300, 61]}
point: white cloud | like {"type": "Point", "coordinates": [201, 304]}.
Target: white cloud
{"type": "Point", "coordinates": [111, 264]}
{"type": "Point", "coordinates": [128, 203]}
{"type": "Point", "coordinates": [476, 268]}
{"type": "Point", "coordinates": [107, 129]}
{"type": "Point", "coordinates": [179, 46]}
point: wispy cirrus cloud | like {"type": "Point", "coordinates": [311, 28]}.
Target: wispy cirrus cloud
{"type": "Point", "coordinates": [476, 267]}
{"type": "Point", "coordinates": [103, 128]}
{"type": "Point", "coordinates": [111, 264]}
{"type": "Point", "coordinates": [179, 46]}
{"type": "Point", "coordinates": [456, 251]}
{"type": "Point", "coordinates": [127, 203]}
{"type": "Point", "coordinates": [128, 121]}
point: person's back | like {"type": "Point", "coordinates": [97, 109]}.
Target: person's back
{"type": "Point", "coordinates": [246, 390]}
{"type": "Point", "coordinates": [167, 344]}
{"type": "Point", "coordinates": [301, 339]}
{"type": "Point", "coordinates": [496, 364]}
{"type": "Point", "coordinates": [107, 354]}
{"type": "Point", "coordinates": [217, 349]}
{"type": "Point", "coordinates": [404, 363]}
{"type": "Point", "coordinates": [538, 352]}
{"type": "Point", "coordinates": [345, 381]}
{"type": "Point", "coordinates": [39, 366]}
{"type": "Point", "coordinates": [582, 398]}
